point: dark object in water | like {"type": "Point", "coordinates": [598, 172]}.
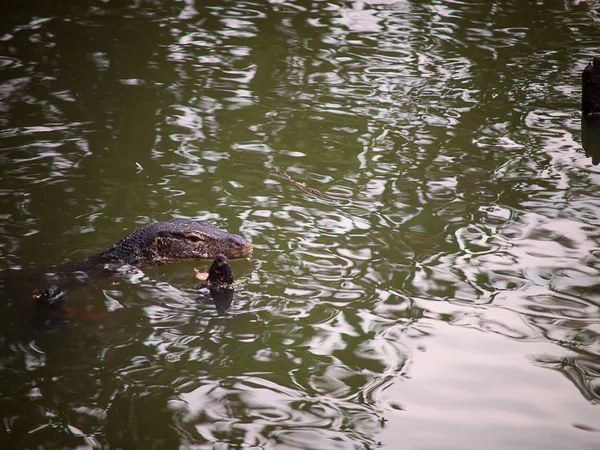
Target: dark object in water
{"type": "Point", "coordinates": [590, 93]}
{"type": "Point", "coordinates": [53, 298]}
{"type": "Point", "coordinates": [49, 296]}
{"type": "Point", "coordinates": [171, 241]}
{"type": "Point", "coordinates": [220, 283]}
{"type": "Point", "coordinates": [590, 137]}
{"type": "Point", "coordinates": [222, 297]}
{"type": "Point", "coordinates": [220, 272]}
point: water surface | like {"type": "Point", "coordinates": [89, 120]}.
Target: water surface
{"type": "Point", "coordinates": [412, 176]}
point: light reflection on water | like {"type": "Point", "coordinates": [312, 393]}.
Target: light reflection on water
{"type": "Point", "coordinates": [425, 271]}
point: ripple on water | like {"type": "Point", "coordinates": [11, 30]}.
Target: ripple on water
{"type": "Point", "coordinates": [247, 408]}
{"type": "Point", "coordinates": [6, 62]}
{"type": "Point", "coordinates": [450, 261]}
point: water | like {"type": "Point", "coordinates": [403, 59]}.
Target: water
{"type": "Point", "coordinates": [411, 173]}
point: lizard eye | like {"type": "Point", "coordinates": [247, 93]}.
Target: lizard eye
{"type": "Point", "coordinates": [193, 238]}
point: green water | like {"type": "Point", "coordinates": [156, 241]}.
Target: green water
{"type": "Point", "coordinates": [425, 224]}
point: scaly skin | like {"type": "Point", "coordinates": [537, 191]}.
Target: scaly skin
{"type": "Point", "coordinates": [173, 241]}
{"type": "Point", "coordinates": [164, 242]}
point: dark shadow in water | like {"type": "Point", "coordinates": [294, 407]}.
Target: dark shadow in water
{"type": "Point", "coordinates": [134, 411]}
{"type": "Point", "coordinates": [590, 137]}
{"type": "Point", "coordinates": [56, 337]}
{"type": "Point", "coordinates": [220, 297]}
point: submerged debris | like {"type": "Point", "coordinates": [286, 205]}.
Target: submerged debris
{"type": "Point", "coordinates": [303, 187]}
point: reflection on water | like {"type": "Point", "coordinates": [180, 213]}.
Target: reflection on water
{"type": "Point", "coordinates": [424, 220]}
{"type": "Point", "coordinates": [590, 137]}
